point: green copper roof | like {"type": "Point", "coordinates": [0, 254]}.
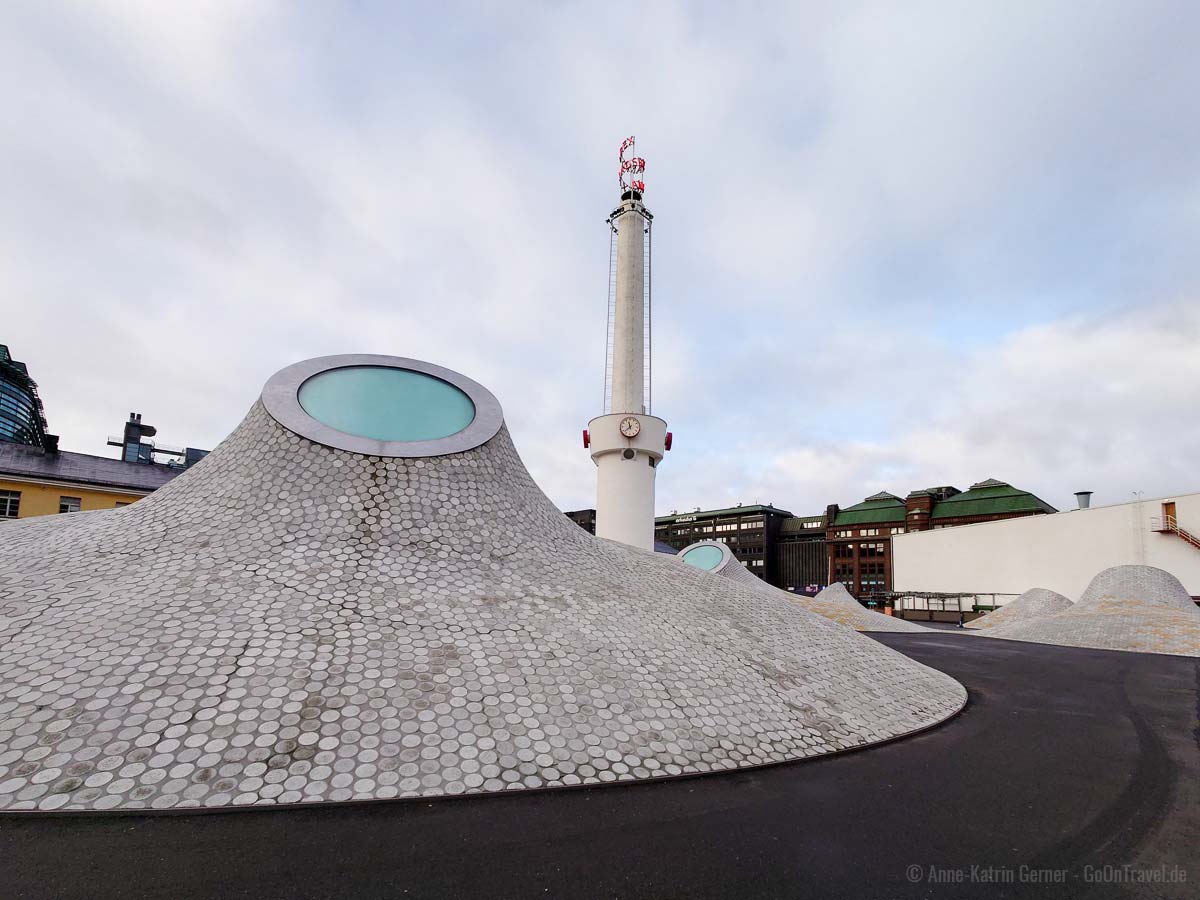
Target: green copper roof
{"type": "Point", "coordinates": [881, 507]}
{"type": "Point", "coordinates": [990, 498]}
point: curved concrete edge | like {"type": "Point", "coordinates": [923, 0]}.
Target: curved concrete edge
{"type": "Point", "coordinates": [439, 799]}
{"type": "Point", "coordinates": [1048, 643]}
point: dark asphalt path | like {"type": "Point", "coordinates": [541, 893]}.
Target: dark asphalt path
{"type": "Point", "coordinates": [1063, 758]}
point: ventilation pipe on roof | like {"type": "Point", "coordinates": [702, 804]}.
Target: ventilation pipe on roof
{"type": "Point", "coordinates": [1084, 498]}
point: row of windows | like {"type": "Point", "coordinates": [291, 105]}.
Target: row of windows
{"type": "Point", "coordinates": [698, 530]}
{"type": "Point", "coordinates": [722, 525]}
{"type": "Point", "coordinates": [846, 551]}
{"type": "Point", "coordinates": [11, 395]}
{"type": "Point", "coordinates": [19, 418]}
{"type": "Point", "coordinates": [864, 568]}
{"type": "Point", "coordinates": [10, 504]}
{"type": "Point", "coordinates": [868, 532]}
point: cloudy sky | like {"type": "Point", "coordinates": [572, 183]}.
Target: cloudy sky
{"type": "Point", "coordinates": [896, 245]}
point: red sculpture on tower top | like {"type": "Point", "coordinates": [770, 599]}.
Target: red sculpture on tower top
{"type": "Point", "coordinates": [630, 167]}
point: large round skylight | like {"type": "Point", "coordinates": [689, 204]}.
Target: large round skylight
{"type": "Point", "coordinates": [386, 404]}
{"type": "Point", "coordinates": [383, 406]}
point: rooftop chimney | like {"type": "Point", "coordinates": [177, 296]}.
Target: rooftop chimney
{"type": "Point", "coordinates": [1084, 498]}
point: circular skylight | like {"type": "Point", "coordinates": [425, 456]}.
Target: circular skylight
{"type": "Point", "coordinates": [705, 556]}
{"type": "Point", "coordinates": [386, 404]}
{"type": "Point", "coordinates": [383, 406]}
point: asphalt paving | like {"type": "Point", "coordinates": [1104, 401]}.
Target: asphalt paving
{"type": "Point", "coordinates": [1070, 773]}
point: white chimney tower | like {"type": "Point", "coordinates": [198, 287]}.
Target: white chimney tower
{"type": "Point", "coordinates": [628, 443]}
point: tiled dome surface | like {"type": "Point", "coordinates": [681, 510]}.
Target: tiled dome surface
{"type": "Point", "coordinates": [838, 604]}
{"type": "Point", "coordinates": [286, 622]}
{"type": "Point", "coordinates": [1032, 604]}
{"type": "Point", "coordinates": [1136, 608]}
{"type": "Point", "coordinates": [834, 603]}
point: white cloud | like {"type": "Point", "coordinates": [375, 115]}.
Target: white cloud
{"type": "Point", "coordinates": [891, 248]}
{"type": "Point", "coordinates": [1083, 404]}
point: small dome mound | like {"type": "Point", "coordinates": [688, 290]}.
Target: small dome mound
{"type": "Point", "coordinates": [1139, 584]}
{"type": "Point", "coordinates": [834, 603]}
{"type": "Point", "coordinates": [837, 603]}
{"type": "Point", "coordinates": [1033, 604]}
{"type": "Point", "coordinates": [1135, 608]}
{"type": "Point", "coordinates": [837, 593]}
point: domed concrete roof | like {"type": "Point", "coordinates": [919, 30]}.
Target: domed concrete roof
{"type": "Point", "coordinates": [1135, 608]}
{"type": "Point", "coordinates": [1141, 585]}
{"type": "Point", "coordinates": [294, 621]}
{"type": "Point", "coordinates": [837, 603]}
{"type": "Point", "coordinates": [1032, 604]}
{"type": "Point", "coordinates": [834, 603]}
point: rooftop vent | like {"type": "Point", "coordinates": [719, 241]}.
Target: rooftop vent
{"type": "Point", "coordinates": [1084, 498]}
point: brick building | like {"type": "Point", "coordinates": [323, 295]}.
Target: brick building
{"type": "Point", "coordinates": [858, 539]}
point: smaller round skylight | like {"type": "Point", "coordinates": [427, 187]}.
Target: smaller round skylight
{"type": "Point", "coordinates": [706, 556]}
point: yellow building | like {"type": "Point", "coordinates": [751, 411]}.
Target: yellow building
{"type": "Point", "coordinates": [37, 482]}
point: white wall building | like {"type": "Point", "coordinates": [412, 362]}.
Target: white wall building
{"type": "Point", "coordinates": [1060, 552]}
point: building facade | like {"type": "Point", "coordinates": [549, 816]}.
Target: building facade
{"type": "Point", "coordinates": [37, 482]}
{"type": "Point", "coordinates": [584, 518]}
{"type": "Point", "coordinates": [803, 562]}
{"type": "Point", "coordinates": [751, 533]}
{"type": "Point", "coordinates": [859, 538]}
{"type": "Point", "coordinates": [22, 419]}
{"type": "Point", "coordinates": [38, 479]}
{"type": "Point", "coordinates": [1060, 552]}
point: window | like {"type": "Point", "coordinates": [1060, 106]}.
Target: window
{"type": "Point", "coordinates": [898, 530]}
{"type": "Point", "coordinates": [845, 574]}
{"type": "Point", "coordinates": [843, 551]}
{"type": "Point", "coordinates": [871, 576]}
{"type": "Point", "coordinates": [875, 549]}
{"type": "Point", "coordinates": [10, 504]}
{"type": "Point", "coordinates": [869, 532]}
{"type": "Point", "coordinates": [68, 504]}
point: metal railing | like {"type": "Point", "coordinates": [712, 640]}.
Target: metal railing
{"type": "Point", "coordinates": [930, 602]}
{"type": "Point", "coordinates": [1170, 525]}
